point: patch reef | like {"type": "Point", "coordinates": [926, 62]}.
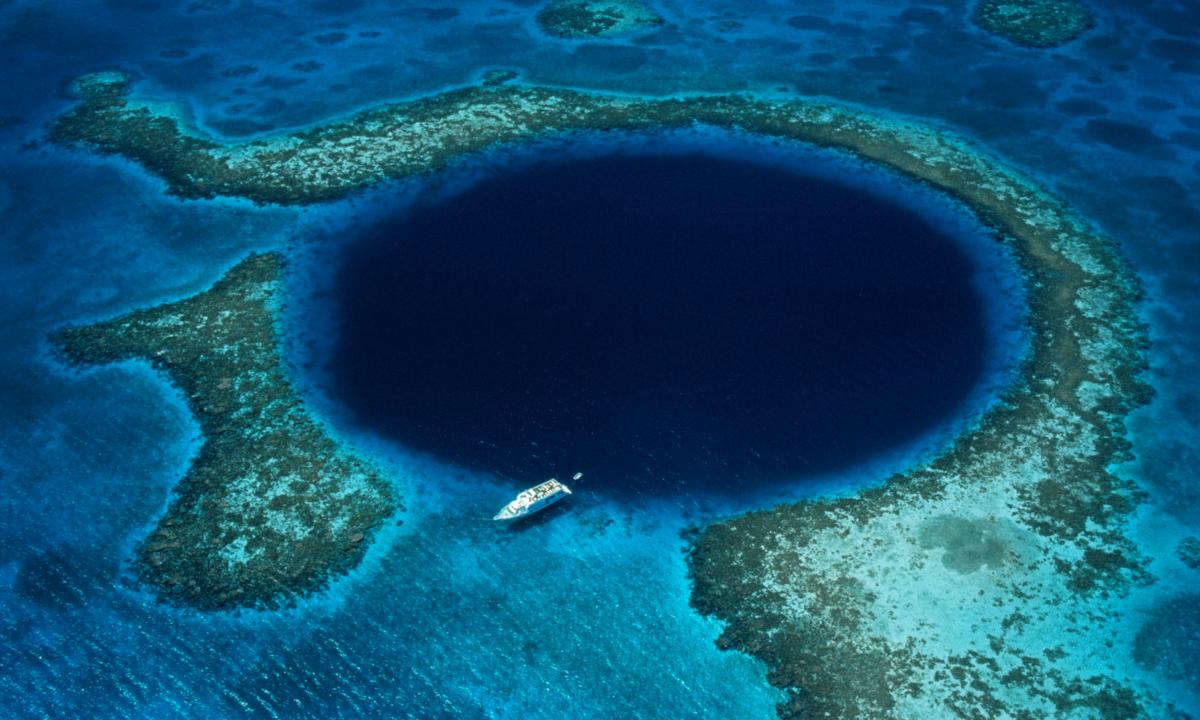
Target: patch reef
{"type": "Point", "coordinates": [271, 508]}
{"type": "Point", "coordinates": [990, 582]}
{"type": "Point", "coordinates": [1034, 23]}
{"type": "Point", "coordinates": [582, 19]}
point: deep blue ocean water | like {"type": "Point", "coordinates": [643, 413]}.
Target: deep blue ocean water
{"type": "Point", "coordinates": [667, 324]}
{"type": "Point", "coordinates": [425, 627]}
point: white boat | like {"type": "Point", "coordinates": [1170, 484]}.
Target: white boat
{"type": "Point", "coordinates": [538, 497]}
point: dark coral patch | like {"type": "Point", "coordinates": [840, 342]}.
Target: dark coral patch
{"type": "Point", "coordinates": [968, 544]}
{"type": "Point", "coordinates": [308, 66]}
{"type": "Point", "coordinates": [595, 18]}
{"type": "Point", "coordinates": [1169, 641]}
{"type": "Point", "coordinates": [492, 78]}
{"type": "Point", "coordinates": [1034, 23]}
{"type": "Point", "coordinates": [278, 82]}
{"type": "Point", "coordinates": [57, 578]}
{"type": "Point", "coordinates": [239, 71]}
{"type": "Point", "coordinates": [1125, 136]}
{"type": "Point", "coordinates": [330, 38]}
{"type": "Point", "coordinates": [1189, 552]}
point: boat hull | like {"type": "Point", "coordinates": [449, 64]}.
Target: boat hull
{"type": "Point", "coordinates": [519, 508]}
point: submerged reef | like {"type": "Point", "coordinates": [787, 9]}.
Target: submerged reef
{"type": "Point", "coordinates": [1034, 23]}
{"type": "Point", "coordinates": [1189, 552]}
{"type": "Point", "coordinates": [577, 19]}
{"type": "Point", "coordinates": [271, 507]}
{"type": "Point", "coordinates": [989, 581]}
{"type": "Point", "coordinates": [498, 77]}
{"type": "Point", "coordinates": [1168, 642]}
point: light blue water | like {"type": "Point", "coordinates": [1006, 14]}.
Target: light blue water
{"type": "Point", "coordinates": [425, 627]}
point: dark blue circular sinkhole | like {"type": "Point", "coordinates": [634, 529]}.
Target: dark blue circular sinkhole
{"type": "Point", "coordinates": [664, 323]}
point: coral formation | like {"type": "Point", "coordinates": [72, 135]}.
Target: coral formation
{"type": "Point", "coordinates": [1168, 642]}
{"type": "Point", "coordinates": [575, 19]}
{"type": "Point", "coordinates": [271, 508]}
{"type": "Point", "coordinates": [951, 589]}
{"type": "Point", "coordinates": [1189, 552]}
{"type": "Point", "coordinates": [493, 78]}
{"type": "Point", "coordinates": [1034, 23]}
{"type": "Point", "coordinates": [987, 582]}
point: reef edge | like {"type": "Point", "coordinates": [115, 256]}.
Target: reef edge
{"type": "Point", "coordinates": [950, 587]}
{"type": "Point", "coordinates": [271, 508]}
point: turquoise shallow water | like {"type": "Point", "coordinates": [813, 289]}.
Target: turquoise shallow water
{"type": "Point", "coordinates": [425, 628]}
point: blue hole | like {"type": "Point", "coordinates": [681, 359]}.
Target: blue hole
{"type": "Point", "coordinates": [667, 323]}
